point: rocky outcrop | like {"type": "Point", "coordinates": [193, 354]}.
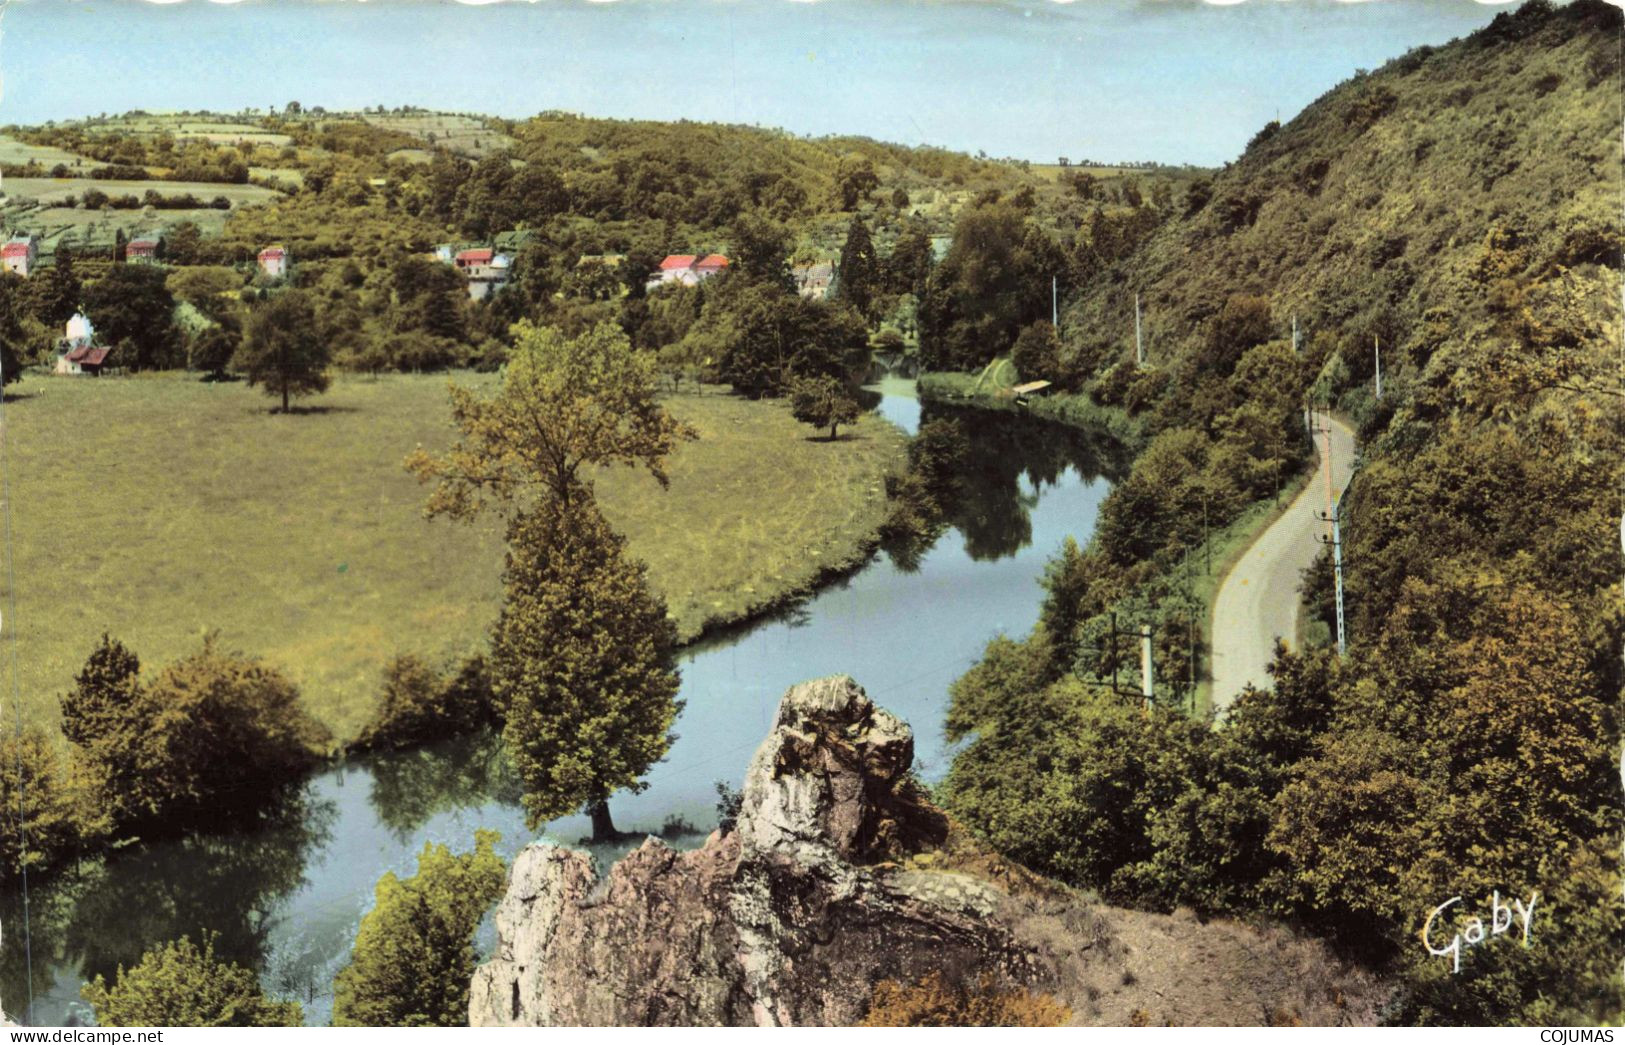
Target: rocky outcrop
{"type": "Point", "coordinates": [839, 874]}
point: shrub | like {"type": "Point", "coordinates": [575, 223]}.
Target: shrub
{"type": "Point", "coordinates": [178, 985]}
{"type": "Point", "coordinates": [931, 1002]}
{"type": "Point", "coordinates": [414, 955]}
{"type": "Point", "coordinates": [418, 704]}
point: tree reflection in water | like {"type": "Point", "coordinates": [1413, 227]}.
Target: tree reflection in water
{"type": "Point", "coordinates": [410, 787]}
{"type": "Point", "coordinates": [107, 912]}
{"type": "Point", "coordinates": [1009, 459]}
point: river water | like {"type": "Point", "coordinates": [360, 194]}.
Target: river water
{"type": "Point", "coordinates": [287, 898]}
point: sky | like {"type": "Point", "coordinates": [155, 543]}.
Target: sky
{"type": "Point", "coordinates": [1174, 81]}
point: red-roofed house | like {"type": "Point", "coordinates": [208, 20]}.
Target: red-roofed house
{"type": "Point", "coordinates": [142, 250]}
{"type": "Point", "coordinates": [274, 262]}
{"type": "Point", "coordinates": [486, 270]}
{"type": "Point", "coordinates": [77, 352]}
{"type": "Point", "coordinates": [20, 254]}
{"type": "Point", "coordinates": [687, 269]}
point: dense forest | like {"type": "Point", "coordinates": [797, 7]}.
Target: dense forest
{"type": "Point", "coordinates": [1457, 208]}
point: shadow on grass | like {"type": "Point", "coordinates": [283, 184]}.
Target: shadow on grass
{"type": "Point", "coordinates": [302, 410]}
{"type": "Point", "coordinates": [844, 437]}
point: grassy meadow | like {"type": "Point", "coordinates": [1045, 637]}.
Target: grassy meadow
{"type": "Point", "coordinates": [156, 508]}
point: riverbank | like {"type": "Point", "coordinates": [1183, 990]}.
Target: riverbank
{"type": "Point", "coordinates": [157, 507]}
{"type": "Point", "coordinates": [992, 390]}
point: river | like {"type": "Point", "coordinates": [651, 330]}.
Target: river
{"type": "Point", "coordinates": [288, 897]}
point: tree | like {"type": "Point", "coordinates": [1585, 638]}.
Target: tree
{"type": "Point", "coordinates": [132, 309]}
{"type": "Point", "coordinates": [855, 180]}
{"type": "Point", "coordinates": [213, 731]}
{"type": "Point", "coordinates": [213, 351]}
{"type": "Point", "coordinates": [761, 249]}
{"type": "Point", "coordinates": [12, 289]}
{"type": "Point", "coordinates": [858, 273]}
{"type": "Point", "coordinates": [53, 807]}
{"type": "Point", "coordinates": [179, 985]}
{"type": "Point", "coordinates": [57, 289]}
{"type": "Point", "coordinates": [582, 664]}
{"type": "Point", "coordinates": [567, 406]}
{"type": "Point", "coordinates": [909, 264]}
{"type": "Point", "coordinates": [822, 402]}
{"type": "Point", "coordinates": [284, 351]}
{"type": "Point", "coordinates": [1037, 352]}
{"type": "Point", "coordinates": [581, 655]}
{"type": "Point", "coordinates": [414, 954]}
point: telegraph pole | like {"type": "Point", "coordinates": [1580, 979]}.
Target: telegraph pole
{"type": "Point", "coordinates": [1330, 515]}
{"type": "Point", "coordinates": [1139, 345]}
{"type": "Point", "coordinates": [1055, 303]}
{"type": "Point", "coordinates": [1376, 348]}
{"type": "Point", "coordinates": [1145, 664]}
{"type": "Point", "coordinates": [1294, 333]}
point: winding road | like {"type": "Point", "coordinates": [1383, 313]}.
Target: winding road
{"type": "Point", "coordinates": [1258, 600]}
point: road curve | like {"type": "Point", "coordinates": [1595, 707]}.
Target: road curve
{"type": "Point", "coordinates": [1257, 600]}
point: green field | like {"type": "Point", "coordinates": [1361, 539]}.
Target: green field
{"type": "Point", "coordinates": [14, 151]}
{"type": "Point", "coordinates": [156, 508]}
{"type": "Point", "coordinates": [54, 190]}
{"type": "Point", "coordinates": [467, 135]}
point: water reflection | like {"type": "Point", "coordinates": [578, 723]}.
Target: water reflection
{"type": "Point", "coordinates": [105, 913]}
{"type": "Point", "coordinates": [411, 787]}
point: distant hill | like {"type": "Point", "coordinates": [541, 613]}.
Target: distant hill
{"type": "Point", "coordinates": [1411, 188]}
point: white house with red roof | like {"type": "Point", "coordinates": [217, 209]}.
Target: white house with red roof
{"type": "Point", "coordinates": [274, 262]}
{"type": "Point", "coordinates": [20, 254]}
{"type": "Point", "coordinates": [487, 270]}
{"type": "Point", "coordinates": [687, 269]}
{"type": "Point", "coordinates": [77, 352]}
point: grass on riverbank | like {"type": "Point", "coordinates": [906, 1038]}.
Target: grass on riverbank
{"type": "Point", "coordinates": [154, 508]}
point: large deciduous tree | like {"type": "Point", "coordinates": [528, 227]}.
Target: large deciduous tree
{"type": "Point", "coordinates": [284, 350]}
{"type": "Point", "coordinates": [133, 311]}
{"type": "Point", "coordinates": [581, 655]}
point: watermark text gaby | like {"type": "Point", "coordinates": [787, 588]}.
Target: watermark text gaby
{"type": "Point", "coordinates": [1474, 932]}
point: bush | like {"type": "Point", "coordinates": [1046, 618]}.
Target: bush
{"type": "Point", "coordinates": [178, 985]}
{"type": "Point", "coordinates": [418, 704]}
{"type": "Point", "coordinates": [52, 807]}
{"type": "Point", "coordinates": [931, 1002]}
{"type": "Point", "coordinates": [414, 955]}
{"type": "Point", "coordinates": [213, 732]}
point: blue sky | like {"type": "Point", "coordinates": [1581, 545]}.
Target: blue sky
{"type": "Point", "coordinates": [1166, 80]}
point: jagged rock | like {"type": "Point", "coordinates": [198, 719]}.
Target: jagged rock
{"type": "Point", "coordinates": [838, 874]}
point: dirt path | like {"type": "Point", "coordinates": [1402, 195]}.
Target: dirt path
{"type": "Point", "coordinates": [1258, 600]}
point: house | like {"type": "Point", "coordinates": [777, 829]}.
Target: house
{"type": "Point", "coordinates": [686, 269]}
{"type": "Point", "coordinates": [813, 281]}
{"type": "Point", "coordinates": [20, 254]}
{"type": "Point", "coordinates": [142, 250]}
{"type": "Point", "coordinates": [77, 351]}
{"type": "Point", "coordinates": [274, 262]}
{"type": "Point", "coordinates": [487, 270]}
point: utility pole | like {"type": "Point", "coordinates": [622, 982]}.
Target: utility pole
{"type": "Point", "coordinates": [1055, 303]}
{"type": "Point", "coordinates": [1139, 345]}
{"type": "Point", "coordinates": [1207, 539]}
{"type": "Point", "coordinates": [1330, 515]}
{"type": "Point", "coordinates": [1145, 664]}
{"type": "Point", "coordinates": [1376, 348]}
{"type": "Point", "coordinates": [1294, 333]}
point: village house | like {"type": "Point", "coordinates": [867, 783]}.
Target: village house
{"type": "Point", "coordinates": [686, 269]}
{"type": "Point", "coordinates": [21, 254]}
{"type": "Point", "coordinates": [487, 271]}
{"type": "Point", "coordinates": [813, 281]}
{"type": "Point", "coordinates": [142, 250]}
{"type": "Point", "coordinates": [274, 262]}
{"type": "Point", "coordinates": [77, 351]}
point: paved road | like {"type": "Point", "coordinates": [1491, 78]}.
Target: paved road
{"type": "Point", "coordinates": [1258, 600]}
